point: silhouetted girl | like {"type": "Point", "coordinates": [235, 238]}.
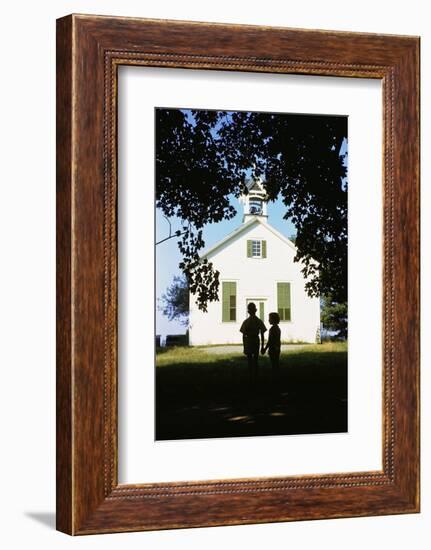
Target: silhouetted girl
{"type": "Point", "coordinates": [274, 343]}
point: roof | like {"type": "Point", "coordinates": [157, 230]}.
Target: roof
{"type": "Point", "coordinates": [254, 184]}
{"type": "Point", "coordinates": [241, 229]}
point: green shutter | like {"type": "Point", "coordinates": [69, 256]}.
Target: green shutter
{"type": "Point", "coordinates": [287, 313]}
{"type": "Point", "coordinates": [228, 301]}
{"type": "Point", "coordinates": [263, 249]}
{"type": "Point", "coordinates": [279, 299]}
{"type": "Point", "coordinates": [261, 311]}
{"type": "Point", "coordinates": [283, 301]}
{"type": "Point", "coordinates": [249, 249]}
{"type": "Point", "coordinates": [225, 302]}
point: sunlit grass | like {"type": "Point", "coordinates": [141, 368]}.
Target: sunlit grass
{"type": "Point", "coordinates": [200, 355]}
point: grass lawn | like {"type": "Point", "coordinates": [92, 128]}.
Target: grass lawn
{"type": "Point", "coordinates": [201, 395]}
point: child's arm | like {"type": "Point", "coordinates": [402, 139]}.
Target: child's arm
{"type": "Point", "coordinates": [262, 338]}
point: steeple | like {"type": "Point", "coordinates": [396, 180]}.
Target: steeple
{"type": "Point", "coordinates": [254, 202]}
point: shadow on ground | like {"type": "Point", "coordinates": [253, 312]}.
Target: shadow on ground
{"type": "Point", "coordinates": [217, 399]}
{"type": "Point", "coordinates": [45, 518]}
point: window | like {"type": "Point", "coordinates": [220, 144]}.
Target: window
{"type": "Point", "coordinates": [255, 206]}
{"type": "Point", "coordinates": [228, 301]}
{"type": "Point", "coordinates": [232, 307]}
{"type": "Point", "coordinates": [283, 301]}
{"type": "Point", "coordinates": [256, 248]}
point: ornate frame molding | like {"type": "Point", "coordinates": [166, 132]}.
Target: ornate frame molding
{"type": "Point", "coordinates": [90, 500]}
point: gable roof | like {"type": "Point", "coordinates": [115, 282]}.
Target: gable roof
{"type": "Point", "coordinates": [241, 229]}
{"type": "Point", "coordinates": [254, 185]}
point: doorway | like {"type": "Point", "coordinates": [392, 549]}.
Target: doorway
{"type": "Point", "coordinates": [260, 304]}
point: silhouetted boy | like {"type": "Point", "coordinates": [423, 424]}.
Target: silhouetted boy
{"type": "Point", "coordinates": [274, 343]}
{"type": "Point", "coordinates": [251, 329]}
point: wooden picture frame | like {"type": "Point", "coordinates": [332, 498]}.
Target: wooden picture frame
{"type": "Point", "coordinates": [89, 51]}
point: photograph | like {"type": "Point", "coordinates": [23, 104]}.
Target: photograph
{"type": "Point", "coordinates": [251, 292]}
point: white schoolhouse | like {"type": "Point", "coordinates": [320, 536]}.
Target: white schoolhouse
{"type": "Point", "coordinates": [256, 265]}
